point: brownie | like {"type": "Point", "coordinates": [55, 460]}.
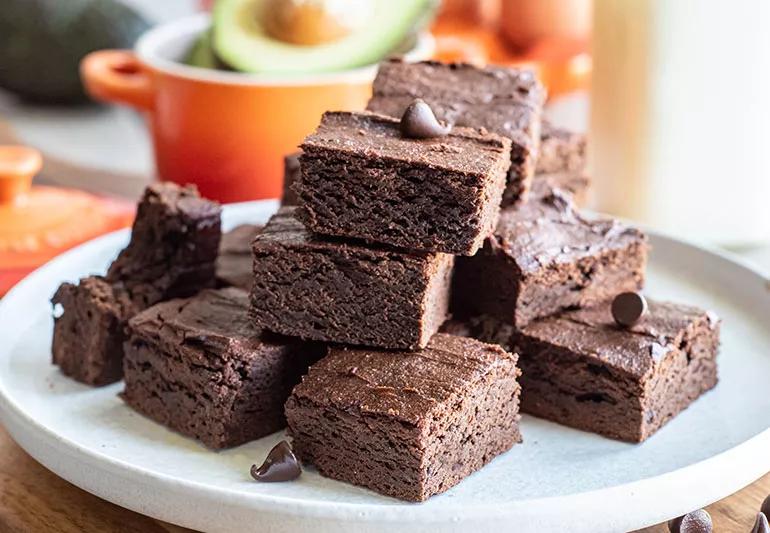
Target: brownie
{"type": "Point", "coordinates": [88, 329]}
{"type": "Point", "coordinates": [545, 257]}
{"type": "Point", "coordinates": [582, 370]}
{"type": "Point", "coordinates": [332, 290]}
{"type": "Point", "coordinates": [360, 178]}
{"type": "Point", "coordinates": [506, 101]}
{"type": "Point", "coordinates": [234, 264]}
{"type": "Point", "coordinates": [172, 253]}
{"type": "Point", "coordinates": [562, 162]}
{"type": "Point", "coordinates": [406, 424]}
{"type": "Point", "coordinates": [290, 177]}
{"type": "Point", "coordinates": [174, 245]}
{"type": "Point", "coordinates": [200, 367]}
{"type": "Point", "coordinates": [561, 150]}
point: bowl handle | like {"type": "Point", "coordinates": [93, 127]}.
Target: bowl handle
{"type": "Point", "coordinates": [119, 77]}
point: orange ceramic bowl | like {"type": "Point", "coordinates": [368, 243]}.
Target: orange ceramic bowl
{"type": "Point", "coordinates": [226, 132]}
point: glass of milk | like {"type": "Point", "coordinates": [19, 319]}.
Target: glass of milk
{"type": "Point", "coordinates": [680, 116]}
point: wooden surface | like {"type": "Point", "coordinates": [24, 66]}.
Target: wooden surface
{"type": "Point", "coordinates": [34, 499]}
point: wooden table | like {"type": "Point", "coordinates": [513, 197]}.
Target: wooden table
{"type": "Point", "coordinates": [34, 499]}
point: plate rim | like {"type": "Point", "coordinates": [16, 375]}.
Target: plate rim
{"type": "Point", "coordinates": [745, 460]}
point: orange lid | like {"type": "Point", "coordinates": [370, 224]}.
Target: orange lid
{"type": "Point", "coordinates": [38, 223]}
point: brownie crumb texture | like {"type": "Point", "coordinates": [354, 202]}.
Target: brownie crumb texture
{"type": "Point", "coordinates": [332, 290]}
{"type": "Point", "coordinates": [440, 194]}
{"type": "Point", "coordinates": [407, 424]}
{"type": "Point", "coordinates": [200, 367]}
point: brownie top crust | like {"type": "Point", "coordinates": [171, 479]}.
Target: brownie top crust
{"type": "Point", "coordinates": [166, 214]}
{"type": "Point", "coordinates": [505, 100]}
{"type": "Point", "coordinates": [105, 296]}
{"type": "Point", "coordinates": [284, 230]}
{"type": "Point", "coordinates": [635, 350]}
{"type": "Point", "coordinates": [407, 386]}
{"type": "Point", "coordinates": [177, 200]}
{"type": "Point", "coordinates": [369, 135]}
{"type": "Point", "coordinates": [549, 230]}
{"type": "Point", "coordinates": [214, 321]}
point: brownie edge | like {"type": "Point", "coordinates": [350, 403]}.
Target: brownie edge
{"type": "Point", "coordinates": [198, 366]}
{"type": "Point", "coordinates": [342, 291]}
{"type": "Point", "coordinates": [406, 424]}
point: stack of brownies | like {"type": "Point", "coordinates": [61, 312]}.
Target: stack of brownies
{"type": "Point", "coordinates": [434, 270]}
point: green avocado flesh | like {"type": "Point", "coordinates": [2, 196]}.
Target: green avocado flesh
{"type": "Point", "coordinates": [240, 40]}
{"type": "Point", "coordinates": [201, 55]}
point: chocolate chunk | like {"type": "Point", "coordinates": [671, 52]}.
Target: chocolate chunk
{"type": "Point", "coordinates": [760, 524]}
{"type": "Point", "coordinates": [766, 506]}
{"type": "Point", "coordinates": [695, 522]}
{"type": "Point", "coordinates": [281, 465]}
{"type": "Point", "coordinates": [419, 122]}
{"type": "Point", "coordinates": [628, 308]}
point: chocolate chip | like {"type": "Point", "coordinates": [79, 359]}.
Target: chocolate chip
{"type": "Point", "coordinates": [419, 122]}
{"type": "Point", "coordinates": [760, 524]}
{"type": "Point", "coordinates": [281, 465]}
{"type": "Point", "coordinates": [766, 506]}
{"type": "Point", "coordinates": [695, 522]}
{"type": "Point", "coordinates": [628, 308]}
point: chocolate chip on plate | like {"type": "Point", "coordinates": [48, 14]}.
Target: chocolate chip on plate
{"type": "Point", "coordinates": [281, 465]}
{"type": "Point", "coordinates": [760, 524]}
{"type": "Point", "coordinates": [419, 122]}
{"type": "Point", "coordinates": [628, 308]}
{"type": "Point", "coordinates": [695, 522]}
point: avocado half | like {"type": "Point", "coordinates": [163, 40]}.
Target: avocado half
{"type": "Point", "coordinates": [240, 40]}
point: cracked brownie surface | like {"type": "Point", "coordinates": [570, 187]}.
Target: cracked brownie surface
{"type": "Point", "coordinates": [406, 424]}
{"type": "Point", "coordinates": [199, 366]}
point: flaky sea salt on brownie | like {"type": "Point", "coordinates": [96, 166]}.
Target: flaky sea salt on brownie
{"type": "Point", "coordinates": [200, 367]}
{"type": "Point", "coordinates": [340, 291]}
{"type": "Point", "coordinates": [174, 244]}
{"type": "Point", "coordinates": [406, 424]}
{"type": "Point", "coordinates": [506, 101]}
{"type": "Point", "coordinates": [583, 370]}
{"type": "Point", "coordinates": [362, 178]}
{"type": "Point", "coordinates": [234, 263]}
{"type": "Point", "coordinates": [89, 321]}
{"type": "Point", "coordinates": [545, 257]}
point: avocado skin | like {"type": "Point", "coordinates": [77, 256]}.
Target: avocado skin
{"type": "Point", "coordinates": [43, 42]}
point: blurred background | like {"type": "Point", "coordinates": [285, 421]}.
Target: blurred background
{"type": "Point", "coordinates": [673, 98]}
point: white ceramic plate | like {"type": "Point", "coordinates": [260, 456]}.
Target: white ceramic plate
{"type": "Point", "coordinates": [558, 480]}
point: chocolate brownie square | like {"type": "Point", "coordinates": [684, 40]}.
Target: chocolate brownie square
{"type": "Point", "coordinates": [88, 329]}
{"type": "Point", "coordinates": [172, 252]}
{"type": "Point", "coordinates": [173, 248]}
{"type": "Point", "coordinates": [506, 101]}
{"type": "Point", "coordinates": [545, 257]}
{"type": "Point", "coordinates": [291, 172]}
{"type": "Point", "coordinates": [582, 370]}
{"type": "Point", "coordinates": [332, 290]}
{"type": "Point", "coordinates": [360, 178]}
{"type": "Point", "coordinates": [200, 367]}
{"type": "Point", "coordinates": [406, 424]}
{"type": "Point", "coordinates": [234, 263]}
